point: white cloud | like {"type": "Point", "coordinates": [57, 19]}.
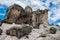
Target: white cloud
{"type": "Point", "coordinates": [10, 2]}
{"type": "Point", "coordinates": [55, 10]}
{"type": "Point", "coordinates": [21, 4]}
{"type": "Point", "coordinates": [7, 2]}
{"type": "Point", "coordinates": [38, 3]}
{"type": "Point", "coordinates": [57, 15]}
{"type": "Point", "coordinates": [55, 2]}
{"type": "Point", "coordinates": [35, 2]}
{"type": "Point", "coordinates": [49, 14]}
{"type": "Point", "coordinates": [24, 3]}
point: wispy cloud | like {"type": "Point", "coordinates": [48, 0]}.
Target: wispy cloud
{"type": "Point", "coordinates": [21, 4]}
{"type": "Point", "coordinates": [7, 2]}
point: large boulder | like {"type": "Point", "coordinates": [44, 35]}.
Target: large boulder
{"type": "Point", "coordinates": [19, 32]}
{"type": "Point", "coordinates": [16, 14]}
{"type": "Point", "coordinates": [13, 13]}
{"type": "Point", "coordinates": [25, 18]}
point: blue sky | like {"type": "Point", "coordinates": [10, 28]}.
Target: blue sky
{"type": "Point", "coordinates": [3, 9]}
{"type": "Point", "coordinates": [52, 5]}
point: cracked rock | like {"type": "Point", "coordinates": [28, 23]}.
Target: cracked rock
{"type": "Point", "coordinates": [19, 32]}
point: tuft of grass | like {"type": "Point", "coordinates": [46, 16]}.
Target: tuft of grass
{"type": "Point", "coordinates": [47, 30]}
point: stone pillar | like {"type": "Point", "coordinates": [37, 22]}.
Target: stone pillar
{"type": "Point", "coordinates": [34, 19]}
{"type": "Point", "coordinates": [38, 15]}
{"type": "Point", "coordinates": [45, 17]}
{"type": "Point", "coordinates": [37, 19]}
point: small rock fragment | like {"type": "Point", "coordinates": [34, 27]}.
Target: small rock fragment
{"type": "Point", "coordinates": [42, 35]}
{"type": "Point", "coordinates": [53, 30]}
{"type": "Point", "coordinates": [1, 31]}
{"type": "Point", "coordinates": [0, 22]}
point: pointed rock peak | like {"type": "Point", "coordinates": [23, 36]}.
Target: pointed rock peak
{"type": "Point", "coordinates": [28, 9]}
{"type": "Point", "coordinates": [45, 10]}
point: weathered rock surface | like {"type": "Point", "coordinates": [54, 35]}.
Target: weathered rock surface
{"type": "Point", "coordinates": [19, 32]}
{"type": "Point", "coordinates": [0, 22]}
{"type": "Point", "coordinates": [28, 9]}
{"type": "Point", "coordinates": [27, 19]}
{"type": "Point", "coordinates": [16, 14]}
{"type": "Point", "coordinates": [13, 13]}
{"type": "Point", "coordinates": [1, 31]}
{"type": "Point", "coordinates": [34, 35]}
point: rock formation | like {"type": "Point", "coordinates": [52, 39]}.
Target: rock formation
{"type": "Point", "coordinates": [13, 13]}
{"type": "Point", "coordinates": [19, 32]}
{"type": "Point", "coordinates": [16, 14]}
{"type": "Point", "coordinates": [28, 9]}
{"type": "Point", "coordinates": [38, 17]}
{"type": "Point", "coordinates": [25, 18]}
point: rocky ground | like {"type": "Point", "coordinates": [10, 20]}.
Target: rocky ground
{"type": "Point", "coordinates": [37, 34]}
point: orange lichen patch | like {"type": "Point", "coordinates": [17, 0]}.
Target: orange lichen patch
{"type": "Point", "coordinates": [15, 12]}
